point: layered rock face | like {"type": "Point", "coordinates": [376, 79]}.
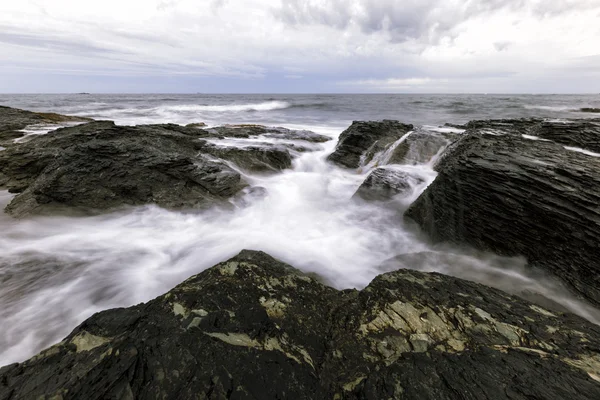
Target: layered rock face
{"type": "Point", "coordinates": [256, 328]}
{"type": "Point", "coordinates": [501, 191]}
{"type": "Point", "coordinates": [101, 166]}
{"type": "Point", "coordinates": [384, 183]}
{"type": "Point", "coordinates": [363, 139]}
{"type": "Point", "coordinates": [13, 120]}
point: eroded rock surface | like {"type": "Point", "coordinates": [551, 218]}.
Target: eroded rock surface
{"type": "Point", "coordinates": [385, 183]}
{"type": "Point", "coordinates": [359, 143]}
{"type": "Point", "coordinates": [501, 191]}
{"type": "Point", "coordinates": [13, 120]}
{"type": "Point", "coordinates": [101, 166]}
{"type": "Point", "coordinates": [419, 148]}
{"type": "Point", "coordinates": [255, 328]}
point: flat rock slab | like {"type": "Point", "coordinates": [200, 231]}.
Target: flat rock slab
{"type": "Point", "coordinates": [256, 328]}
{"type": "Point", "coordinates": [499, 190]}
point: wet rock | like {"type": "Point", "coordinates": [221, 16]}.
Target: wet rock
{"type": "Point", "coordinates": [248, 131]}
{"type": "Point", "coordinates": [515, 196]}
{"type": "Point", "coordinates": [590, 110]}
{"type": "Point", "coordinates": [418, 148]}
{"type": "Point", "coordinates": [101, 166]}
{"type": "Point", "coordinates": [253, 158]}
{"type": "Point", "coordinates": [385, 183]}
{"type": "Point", "coordinates": [584, 134]}
{"type": "Point", "coordinates": [13, 120]}
{"type": "Point", "coordinates": [363, 139]}
{"type": "Point", "coordinates": [255, 328]}
{"type": "Point", "coordinates": [196, 125]}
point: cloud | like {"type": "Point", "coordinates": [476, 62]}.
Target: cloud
{"type": "Point", "coordinates": [332, 45]}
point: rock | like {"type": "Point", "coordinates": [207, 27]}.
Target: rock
{"type": "Point", "coordinates": [515, 196]}
{"type": "Point", "coordinates": [576, 133]}
{"type": "Point", "coordinates": [248, 131]}
{"type": "Point", "coordinates": [255, 328]}
{"type": "Point", "coordinates": [13, 120]}
{"type": "Point", "coordinates": [253, 158]}
{"type": "Point", "coordinates": [590, 110]}
{"type": "Point", "coordinates": [100, 166]}
{"type": "Point", "coordinates": [362, 140]}
{"type": "Point", "coordinates": [418, 148]}
{"type": "Point", "coordinates": [385, 183]}
{"type": "Point", "coordinates": [196, 125]}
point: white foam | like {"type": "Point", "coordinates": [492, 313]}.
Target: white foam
{"type": "Point", "coordinates": [266, 106]}
{"type": "Point", "coordinates": [583, 151]}
{"type": "Point", "coordinates": [443, 129]}
{"type": "Point", "coordinates": [531, 137]}
{"type": "Point", "coordinates": [56, 272]}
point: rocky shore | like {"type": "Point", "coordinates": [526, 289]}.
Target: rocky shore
{"type": "Point", "coordinates": [254, 327]}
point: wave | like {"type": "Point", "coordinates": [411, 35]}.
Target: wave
{"type": "Point", "coordinates": [266, 106]}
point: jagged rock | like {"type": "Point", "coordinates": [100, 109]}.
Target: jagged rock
{"type": "Point", "coordinates": [363, 139]}
{"type": "Point", "coordinates": [196, 125]}
{"type": "Point", "coordinates": [13, 120]}
{"type": "Point", "coordinates": [584, 134]}
{"type": "Point", "coordinates": [255, 328]}
{"type": "Point", "coordinates": [248, 131]}
{"type": "Point", "coordinates": [515, 196]}
{"type": "Point", "coordinates": [418, 148]}
{"type": "Point", "coordinates": [253, 158]}
{"type": "Point", "coordinates": [101, 166]}
{"type": "Point", "coordinates": [384, 183]}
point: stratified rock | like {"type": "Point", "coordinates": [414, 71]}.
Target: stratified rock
{"type": "Point", "coordinates": [363, 139]}
{"type": "Point", "coordinates": [385, 183]}
{"type": "Point", "coordinates": [249, 130]}
{"type": "Point", "coordinates": [255, 328]}
{"type": "Point", "coordinates": [418, 148]}
{"type": "Point", "coordinates": [253, 158]}
{"type": "Point", "coordinates": [13, 120]}
{"type": "Point", "coordinates": [101, 166]}
{"type": "Point", "coordinates": [516, 196]}
{"type": "Point", "coordinates": [584, 134]}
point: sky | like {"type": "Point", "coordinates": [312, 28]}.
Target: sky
{"type": "Point", "coordinates": [300, 46]}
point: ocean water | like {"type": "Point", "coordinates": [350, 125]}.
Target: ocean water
{"type": "Point", "coordinates": [57, 271]}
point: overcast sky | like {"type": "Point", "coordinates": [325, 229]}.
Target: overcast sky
{"type": "Point", "coordinates": [235, 46]}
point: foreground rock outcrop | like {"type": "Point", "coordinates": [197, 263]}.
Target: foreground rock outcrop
{"type": "Point", "coordinates": [363, 139]}
{"type": "Point", "coordinates": [518, 195]}
{"type": "Point", "coordinates": [256, 328]}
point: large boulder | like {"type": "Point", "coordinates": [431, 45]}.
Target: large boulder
{"type": "Point", "coordinates": [101, 166]}
{"type": "Point", "coordinates": [501, 191]}
{"type": "Point", "coordinates": [256, 328]}
{"type": "Point", "coordinates": [14, 120]}
{"type": "Point", "coordinates": [359, 143]}
{"type": "Point", "coordinates": [384, 183]}
{"type": "Point", "coordinates": [261, 158]}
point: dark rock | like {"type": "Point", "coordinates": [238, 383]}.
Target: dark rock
{"type": "Point", "coordinates": [516, 196]}
{"type": "Point", "coordinates": [248, 131]}
{"type": "Point", "coordinates": [590, 110]}
{"type": "Point", "coordinates": [362, 140]}
{"type": "Point", "coordinates": [418, 148]}
{"type": "Point", "coordinates": [576, 133]}
{"type": "Point", "coordinates": [255, 328]}
{"type": "Point", "coordinates": [101, 166]}
{"type": "Point", "coordinates": [384, 183]}
{"type": "Point", "coordinates": [253, 158]}
{"type": "Point", "coordinates": [196, 125]}
{"type": "Point", "coordinates": [13, 120]}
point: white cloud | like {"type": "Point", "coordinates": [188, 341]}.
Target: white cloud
{"type": "Point", "coordinates": [371, 45]}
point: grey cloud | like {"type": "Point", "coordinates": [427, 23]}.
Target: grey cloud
{"type": "Point", "coordinates": [426, 21]}
{"type": "Point", "coordinates": [69, 45]}
{"type": "Point", "coordinates": [501, 46]}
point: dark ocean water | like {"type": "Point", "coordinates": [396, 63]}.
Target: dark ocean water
{"type": "Point", "coordinates": [57, 271]}
{"type": "Point", "coordinates": [333, 110]}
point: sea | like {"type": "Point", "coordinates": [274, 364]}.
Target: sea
{"type": "Point", "coordinates": [57, 271]}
